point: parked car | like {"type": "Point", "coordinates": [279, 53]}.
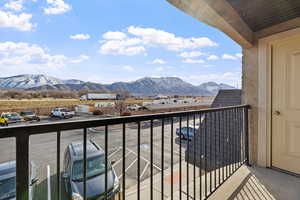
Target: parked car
{"type": "Point", "coordinates": [29, 116]}
{"type": "Point", "coordinates": [73, 172]}
{"type": "Point", "coordinates": [62, 113]}
{"type": "Point", "coordinates": [187, 132]}
{"type": "Point", "coordinates": [11, 117]}
{"type": "Point", "coordinates": [8, 180]}
{"type": "Point", "coordinates": [3, 120]}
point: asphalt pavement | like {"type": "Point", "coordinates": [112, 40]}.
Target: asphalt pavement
{"type": "Point", "coordinates": [43, 151]}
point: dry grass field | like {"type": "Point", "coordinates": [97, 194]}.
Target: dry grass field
{"type": "Point", "coordinates": [47, 103]}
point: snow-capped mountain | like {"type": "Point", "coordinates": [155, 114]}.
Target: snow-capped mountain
{"type": "Point", "coordinates": [142, 87]}
{"type": "Point", "coordinates": [33, 80]}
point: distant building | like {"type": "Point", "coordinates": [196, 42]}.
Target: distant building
{"type": "Point", "coordinates": [99, 96]}
{"type": "Point", "coordinates": [212, 133]}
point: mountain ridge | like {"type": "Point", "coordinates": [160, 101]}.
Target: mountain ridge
{"type": "Point", "coordinates": [146, 86]}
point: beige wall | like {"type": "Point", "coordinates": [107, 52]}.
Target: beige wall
{"type": "Point", "coordinates": [250, 95]}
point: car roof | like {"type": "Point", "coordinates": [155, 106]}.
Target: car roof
{"type": "Point", "coordinates": [7, 169]}
{"type": "Point", "coordinates": [92, 149]}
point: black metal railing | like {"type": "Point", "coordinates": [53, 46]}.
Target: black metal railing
{"type": "Point", "coordinates": [213, 147]}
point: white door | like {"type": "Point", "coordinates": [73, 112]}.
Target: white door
{"type": "Point", "coordinates": [286, 104]}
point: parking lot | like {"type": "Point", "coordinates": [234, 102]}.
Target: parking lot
{"type": "Point", "coordinates": [43, 151]}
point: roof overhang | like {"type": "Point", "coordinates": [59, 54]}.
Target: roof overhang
{"type": "Point", "coordinates": [244, 21]}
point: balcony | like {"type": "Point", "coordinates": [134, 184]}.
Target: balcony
{"type": "Point", "coordinates": [152, 155]}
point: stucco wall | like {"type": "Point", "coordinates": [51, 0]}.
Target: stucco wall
{"type": "Point", "coordinates": [250, 95]}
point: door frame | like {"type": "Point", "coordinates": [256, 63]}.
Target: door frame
{"type": "Point", "coordinates": [264, 145]}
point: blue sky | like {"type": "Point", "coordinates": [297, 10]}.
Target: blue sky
{"type": "Point", "coordinates": [116, 40]}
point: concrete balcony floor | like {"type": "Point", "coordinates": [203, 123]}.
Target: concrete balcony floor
{"type": "Point", "coordinates": [247, 183]}
{"type": "Point", "coordinates": [257, 183]}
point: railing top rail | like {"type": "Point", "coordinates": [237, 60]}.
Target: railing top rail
{"type": "Point", "coordinates": [88, 123]}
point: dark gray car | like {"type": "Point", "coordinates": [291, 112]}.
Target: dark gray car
{"type": "Point", "coordinates": [8, 180]}
{"type": "Point", "coordinates": [73, 172]}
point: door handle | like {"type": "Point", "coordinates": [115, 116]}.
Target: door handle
{"type": "Point", "coordinates": [277, 113]}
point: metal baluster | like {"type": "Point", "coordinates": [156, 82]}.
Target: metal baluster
{"type": "Point", "coordinates": [194, 156]}
{"type": "Point", "coordinates": [231, 140]}
{"type": "Point", "coordinates": [205, 152]}
{"type": "Point", "coordinates": [200, 158]}
{"type": "Point", "coordinates": [172, 159]}
{"type": "Point", "coordinates": [84, 162]}
{"type": "Point", "coordinates": [210, 150]}
{"type": "Point", "coordinates": [124, 161]}
{"type": "Point", "coordinates": [219, 144]}
{"type": "Point", "coordinates": [246, 136]}
{"type": "Point", "coordinates": [58, 165]}
{"type": "Point", "coordinates": [241, 138]}
{"type": "Point", "coordinates": [162, 157]}
{"type": "Point", "coordinates": [188, 157]}
{"type": "Point", "coordinates": [236, 138]}
{"type": "Point", "coordinates": [106, 159]}
{"type": "Point", "coordinates": [223, 145]}
{"type": "Point", "coordinates": [180, 167]}
{"type": "Point", "coordinates": [139, 161]}
{"type": "Point", "coordinates": [151, 159]}
{"type": "Point", "coordinates": [215, 147]}
{"type": "Point", "coordinates": [22, 166]}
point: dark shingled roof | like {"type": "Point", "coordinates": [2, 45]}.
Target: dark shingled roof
{"type": "Point", "coordinates": [220, 133]}
{"type": "Point", "coordinates": [227, 98]}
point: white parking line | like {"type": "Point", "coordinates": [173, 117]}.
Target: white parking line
{"type": "Point", "coordinates": [144, 170]}
{"type": "Point", "coordinates": [145, 159]}
{"type": "Point", "coordinates": [128, 167]}
{"type": "Point", "coordinates": [121, 159]}
{"type": "Point", "coordinates": [49, 182]}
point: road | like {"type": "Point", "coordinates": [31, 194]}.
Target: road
{"type": "Point", "coordinates": [43, 151]}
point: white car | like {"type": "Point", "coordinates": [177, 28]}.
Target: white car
{"type": "Point", "coordinates": [62, 113]}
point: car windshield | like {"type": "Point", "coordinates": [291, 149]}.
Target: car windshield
{"type": "Point", "coordinates": [8, 188]}
{"type": "Point", "coordinates": [7, 115]}
{"type": "Point", "coordinates": [95, 167]}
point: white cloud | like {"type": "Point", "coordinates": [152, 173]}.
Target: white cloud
{"type": "Point", "coordinates": [157, 61]}
{"type": "Point", "coordinates": [163, 68]}
{"type": "Point", "coordinates": [239, 55]}
{"type": "Point", "coordinates": [80, 37]}
{"type": "Point", "coordinates": [229, 57]}
{"type": "Point", "coordinates": [120, 43]}
{"type": "Point", "coordinates": [170, 41]}
{"type": "Point", "coordinates": [20, 22]}
{"type": "Point", "coordinates": [191, 54]}
{"type": "Point", "coordinates": [116, 35]}
{"type": "Point", "coordinates": [127, 47]}
{"type": "Point", "coordinates": [212, 57]}
{"type": "Point", "coordinates": [193, 61]}
{"type": "Point", "coordinates": [128, 68]}
{"type": "Point", "coordinates": [80, 59]}
{"type": "Point", "coordinates": [56, 7]}
{"type": "Point", "coordinates": [14, 5]}
{"type": "Point", "coordinates": [25, 57]}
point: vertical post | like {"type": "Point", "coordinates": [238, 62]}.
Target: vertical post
{"type": "Point", "coordinates": [22, 166]}
{"type": "Point", "coordinates": [106, 161]}
{"type": "Point", "coordinates": [172, 157]}
{"type": "Point", "coordinates": [124, 162]}
{"type": "Point", "coordinates": [246, 130]}
{"type": "Point", "coordinates": [58, 165]}
{"type": "Point", "coordinates": [162, 157]}
{"type": "Point", "coordinates": [151, 159]}
{"type": "Point", "coordinates": [84, 162]}
{"type": "Point", "coordinates": [139, 161]}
